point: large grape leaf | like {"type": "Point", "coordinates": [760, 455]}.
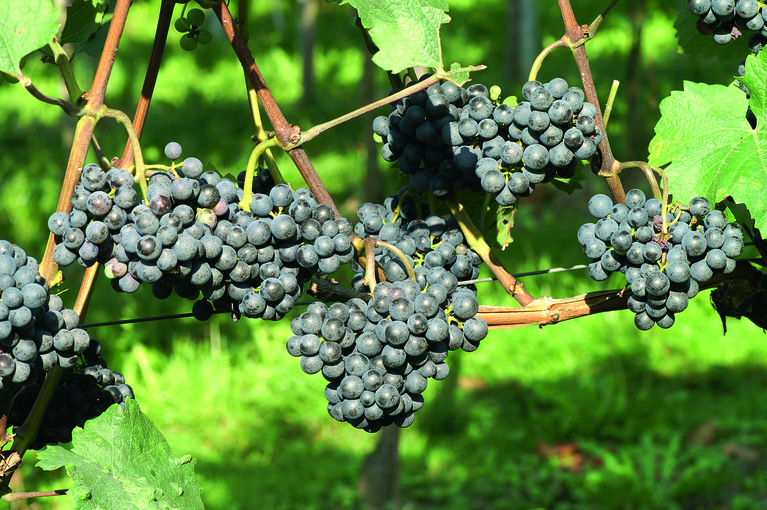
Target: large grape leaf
{"type": "Point", "coordinates": [25, 26]}
{"type": "Point", "coordinates": [707, 142]}
{"type": "Point", "coordinates": [405, 31]}
{"type": "Point", "coordinates": [121, 460]}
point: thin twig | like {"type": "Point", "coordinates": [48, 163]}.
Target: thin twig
{"type": "Point", "coordinates": [18, 496]}
{"type": "Point", "coordinates": [152, 72]}
{"type": "Point", "coordinates": [536, 67]}
{"type": "Point", "coordinates": [370, 264]}
{"type": "Point", "coordinates": [575, 33]}
{"type": "Point", "coordinates": [477, 242]}
{"type": "Point", "coordinates": [611, 101]}
{"type": "Point", "coordinates": [648, 172]}
{"type": "Point", "coordinates": [286, 133]}
{"type": "Point", "coordinates": [68, 107]}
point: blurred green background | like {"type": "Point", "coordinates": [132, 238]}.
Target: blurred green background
{"type": "Point", "coordinates": [587, 414]}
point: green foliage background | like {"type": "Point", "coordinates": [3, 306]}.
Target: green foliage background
{"type": "Point", "coordinates": [665, 419]}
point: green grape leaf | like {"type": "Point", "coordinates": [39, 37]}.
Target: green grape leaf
{"type": "Point", "coordinates": [693, 42]}
{"type": "Point", "coordinates": [707, 142]}
{"type": "Point", "coordinates": [25, 26]}
{"type": "Point", "coordinates": [121, 460]}
{"type": "Point", "coordinates": [405, 31]}
{"type": "Point", "coordinates": [84, 18]}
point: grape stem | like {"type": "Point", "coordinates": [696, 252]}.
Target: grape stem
{"type": "Point", "coordinates": [64, 64]}
{"type": "Point", "coordinates": [138, 157]}
{"type": "Point", "coordinates": [611, 101]}
{"type": "Point", "coordinates": [648, 170]}
{"type": "Point", "coordinates": [250, 170]}
{"type": "Point", "coordinates": [536, 67]}
{"type": "Point", "coordinates": [260, 134]}
{"type": "Point", "coordinates": [150, 78]}
{"type": "Point", "coordinates": [400, 255]}
{"type": "Point", "coordinates": [478, 243]}
{"type": "Point", "coordinates": [69, 108]}
{"type": "Point", "coordinates": [315, 131]}
{"type": "Point", "coordinates": [370, 264]}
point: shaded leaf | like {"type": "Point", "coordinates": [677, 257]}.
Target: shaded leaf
{"type": "Point", "coordinates": [84, 18]}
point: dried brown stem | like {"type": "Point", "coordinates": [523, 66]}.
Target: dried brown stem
{"type": "Point", "coordinates": [477, 242]}
{"type": "Point", "coordinates": [552, 311]}
{"type": "Point", "coordinates": [18, 496]}
{"type": "Point", "coordinates": [150, 79]}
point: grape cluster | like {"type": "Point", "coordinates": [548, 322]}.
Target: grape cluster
{"type": "Point", "coordinates": [84, 392]}
{"type": "Point", "coordinates": [378, 355]}
{"type": "Point", "coordinates": [449, 138]}
{"type": "Point", "coordinates": [728, 19]}
{"type": "Point", "coordinates": [664, 261]}
{"type": "Point", "coordinates": [190, 25]}
{"type": "Point", "coordinates": [192, 237]}
{"type": "Point", "coordinates": [36, 331]}
{"type": "Point", "coordinates": [428, 244]}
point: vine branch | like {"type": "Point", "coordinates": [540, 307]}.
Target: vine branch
{"type": "Point", "coordinates": [150, 79]}
{"type": "Point", "coordinates": [478, 243]}
{"type": "Point", "coordinates": [578, 33]}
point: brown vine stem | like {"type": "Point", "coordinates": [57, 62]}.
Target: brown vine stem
{"type": "Point", "coordinates": [150, 79]}
{"type": "Point", "coordinates": [552, 311]}
{"type": "Point", "coordinates": [576, 33]}
{"type": "Point", "coordinates": [18, 496]}
{"type": "Point", "coordinates": [286, 134]}
{"type": "Point", "coordinates": [647, 169]}
{"type": "Point", "coordinates": [478, 243]}
{"type": "Point", "coordinates": [536, 67]}
{"type": "Point", "coordinates": [11, 459]}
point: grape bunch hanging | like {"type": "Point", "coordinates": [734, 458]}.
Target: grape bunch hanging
{"type": "Point", "coordinates": [728, 19]}
{"type": "Point", "coordinates": [377, 355]}
{"type": "Point", "coordinates": [193, 237]}
{"type": "Point", "coordinates": [38, 333]}
{"type": "Point", "coordinates": [664, 255]}
{"type": "Point", "coordinates": [449, 138]}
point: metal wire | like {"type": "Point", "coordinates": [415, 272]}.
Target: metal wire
{"type": "Point", "coordinates": [305, 303]}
